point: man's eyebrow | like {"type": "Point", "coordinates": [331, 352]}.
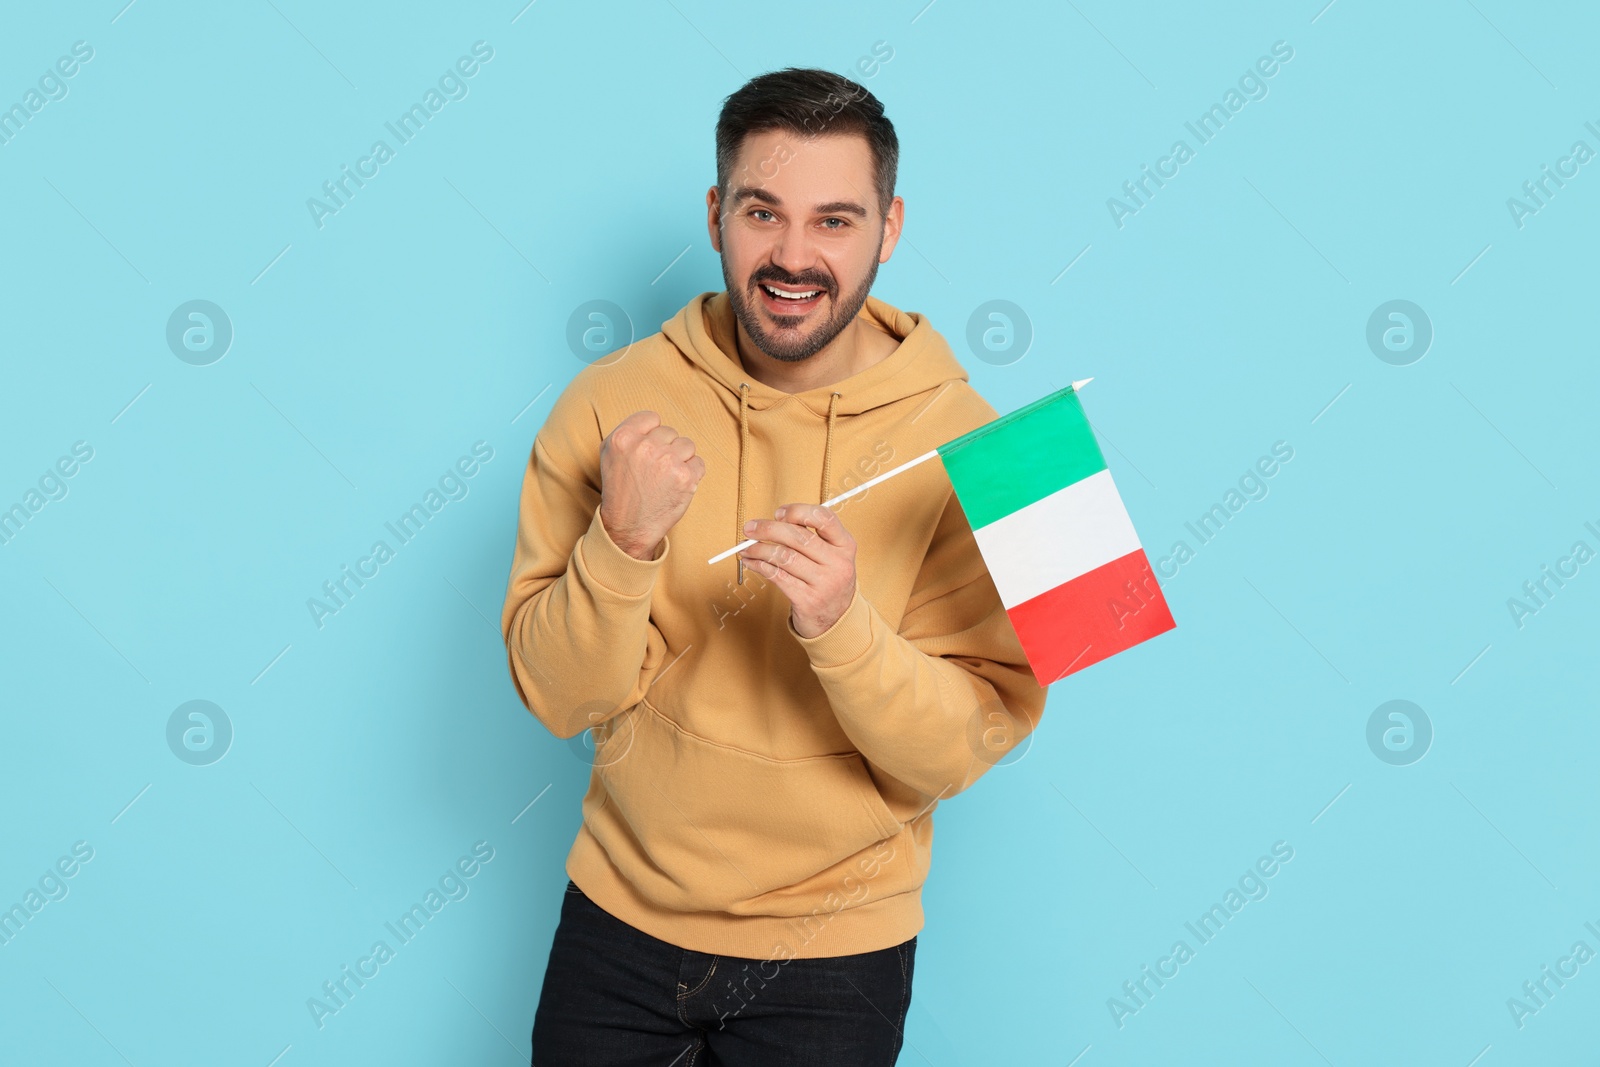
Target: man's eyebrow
{"type": "Point", "coordinates": [842, 207]}
{"type": "Point", "coordinates": [835, 207]}
{"type": "Point", "coordinates": [750, 192]}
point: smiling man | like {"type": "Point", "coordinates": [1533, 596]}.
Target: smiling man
{"type": "Point", "coordinates": [769, 744]}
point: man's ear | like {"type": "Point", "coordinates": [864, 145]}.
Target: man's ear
{"type": "Point", "coordinates": [892, 223]}
{"type": "Point", "coordinates": [713, 218]}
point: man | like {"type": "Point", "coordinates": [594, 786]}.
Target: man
{"type": "Point", "coordinates": [772, 733]}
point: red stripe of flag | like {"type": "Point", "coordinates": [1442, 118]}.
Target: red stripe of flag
{"type": "Point", "coordinates": [1097, 614]}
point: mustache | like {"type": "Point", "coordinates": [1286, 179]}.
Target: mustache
{"type": "Point", "coordinates": [784, 280]}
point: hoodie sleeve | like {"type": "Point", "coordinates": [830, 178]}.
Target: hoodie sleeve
{"type": "Point", "coordinates": [948, 696]}
{"type": "Point", "coordinates": [576, 619]}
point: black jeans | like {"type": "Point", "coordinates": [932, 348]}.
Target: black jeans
{"type": "Point", "coordinates": [614, 996]}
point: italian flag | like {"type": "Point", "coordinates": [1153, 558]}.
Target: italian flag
{"type": "Point", "coordinates": [1055, 536]}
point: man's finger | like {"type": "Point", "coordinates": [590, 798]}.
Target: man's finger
{"type": "Point", "coordinates": [825, 521]}
{"type": "Point", "coordinates": [789, 562]}
{"type": "Point", "coordinates": [799, 540]}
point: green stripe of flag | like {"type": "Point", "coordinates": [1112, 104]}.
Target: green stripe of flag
{"type": "Point", "coordinates": [1007, 464]}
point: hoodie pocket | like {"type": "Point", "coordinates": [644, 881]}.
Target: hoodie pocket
{"type": "Point", "coordinates": [699, 826]}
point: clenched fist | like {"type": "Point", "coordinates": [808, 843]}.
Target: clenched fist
{"type": "Point", "coordinates": [648, 475]}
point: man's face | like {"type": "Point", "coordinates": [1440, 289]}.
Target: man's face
{"type": "Point", "coordinates": [801, 237]}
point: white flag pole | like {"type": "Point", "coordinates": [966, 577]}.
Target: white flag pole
{"type": "Point", "coordinates": [907, 465]}
{"type": "Point", "coordinates": [868, 484]}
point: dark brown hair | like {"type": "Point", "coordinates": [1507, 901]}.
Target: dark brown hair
{"type": "Point", "coordinates": [811, 103]}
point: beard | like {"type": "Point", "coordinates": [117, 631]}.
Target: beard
{"type": "Point", "coordinates": [784, 342]}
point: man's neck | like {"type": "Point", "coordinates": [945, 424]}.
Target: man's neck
{"type": "Point", "coordinates": [857, 347]}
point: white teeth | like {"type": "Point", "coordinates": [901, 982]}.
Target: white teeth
{"type": "Point", "coordinates": [787, 295]}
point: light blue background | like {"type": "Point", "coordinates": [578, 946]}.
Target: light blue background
{"type": "Point", "coordinates": [430, 313]}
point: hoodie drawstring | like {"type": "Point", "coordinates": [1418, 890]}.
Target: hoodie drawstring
{"type": "Point", "coordinates": [827, 448]}
{"type": "Point", "coordinates": [744, 438]}
{"type": "Point", "coordinates": [744, 435]}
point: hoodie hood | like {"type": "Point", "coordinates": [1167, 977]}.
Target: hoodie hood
{"type": "Point", "coordinates": [704, 331]}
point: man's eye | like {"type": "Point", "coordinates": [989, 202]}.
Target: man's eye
{"type": "Point", "coordinates": [841, 223]}
{"type": "Point", "coordinates": [758, 212]}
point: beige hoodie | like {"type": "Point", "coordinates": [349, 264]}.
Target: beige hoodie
{"type": "Point", "coordinates": [756, 793]}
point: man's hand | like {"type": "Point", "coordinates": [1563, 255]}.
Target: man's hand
{"type": "Point", "coordinates": [648, 475]}
{"type": "Point", "coordinates": [808, 554]}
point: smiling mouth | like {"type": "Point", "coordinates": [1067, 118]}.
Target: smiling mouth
{"type": "Point", "coordinates": [785, 300]}
{"type": "Point", "coordinates": [791, 294]}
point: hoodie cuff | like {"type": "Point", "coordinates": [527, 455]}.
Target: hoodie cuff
{"type": "Point", "coordinates": [847, 639]}
{"type": "Point", "coordinates": [609, 565]}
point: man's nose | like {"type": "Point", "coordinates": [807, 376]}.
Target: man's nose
{"type": "Point", "coordinates": [793, 252]}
